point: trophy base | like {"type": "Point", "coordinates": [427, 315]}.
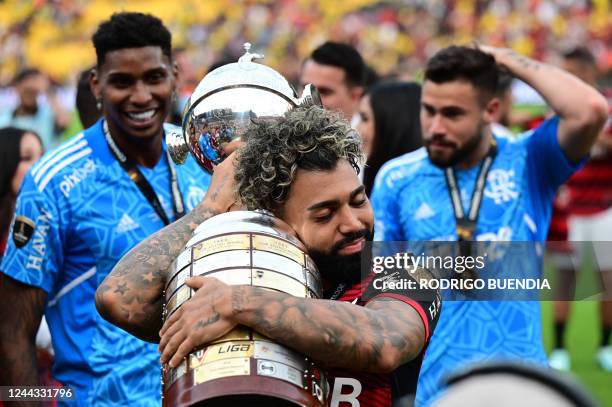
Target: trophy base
{"type": "Point", "coordinates": [251, 400]}
{"type": "Point", "coordinates": [238, 391]}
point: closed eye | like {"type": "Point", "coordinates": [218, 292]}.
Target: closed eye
{"type": "Point", "coordinates": [323, 218]}
{"type": "Point", "coordinates": [358, 203]}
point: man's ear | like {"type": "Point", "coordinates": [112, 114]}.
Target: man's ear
{"type": "Point", "coordinates": [175, 71]}
{"type": "Point", "coordinates": [491, 110]}
{"type": "Point", "coordinates": [357, 92]}
{"type": "Point", "coordinates": [94, 83]}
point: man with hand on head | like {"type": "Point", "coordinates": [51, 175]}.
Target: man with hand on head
{"type": "Point", "coordinates": [467, 184]}
{"type": "Point", "coordinates": [81, 208]}
{"type": "Point", "coordinates": [281, 168]}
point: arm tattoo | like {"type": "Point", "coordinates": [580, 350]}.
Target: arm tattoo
{"type": "Point", "coordinates": [215, 193]}
{"type": "Point", "coordinates": [21, 311]}
{"type": "Point", "coordinates": [523, 61]}
{"type": "Point", "coordinates": [333, 332]}
{"type": "Point", "coordinates": [121, 288]}
{"type": "Point", "coordinates": [131, 296]}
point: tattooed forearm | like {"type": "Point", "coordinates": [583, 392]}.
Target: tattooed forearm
{"type": "Point", "coordinates": [377, 338]}
{"type": "Point", "coordinates": [21, 310]}
{"type": "Point", "coordinates": [523, 61]}
{"type": "Point", "coordinates": [215, 193]}
{"type": "Point", "coordinates": [131, 295]}
{"type": "Point", "coordinates": [121, 288]}
{"type": "Point", "coordinates": [156, 253]}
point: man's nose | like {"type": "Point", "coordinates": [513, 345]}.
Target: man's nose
{"type": "Point", "coordinates": [436, 125]}
{"type": "Point", "coordinates": [349, 221]}
{"type": "Point", "coordinates": [141, 94]}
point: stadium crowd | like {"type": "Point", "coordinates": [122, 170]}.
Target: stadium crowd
{"type": "Point", "coordinates": [395, 38]}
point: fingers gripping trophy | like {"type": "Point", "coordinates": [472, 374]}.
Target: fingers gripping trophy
{"type": "Point", "coordinates": [241, 368]}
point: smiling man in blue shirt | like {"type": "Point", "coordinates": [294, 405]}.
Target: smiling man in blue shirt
{"type": "Point", "coordinates": [81, 208]}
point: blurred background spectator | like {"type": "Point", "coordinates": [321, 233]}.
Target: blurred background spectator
{"type": "Point", "coordinates": [19, 149]}
{"type": "Point", "coordinates": [581, 227]}
{"type": "Point", "coordinates": [87, 106]}
{"type": "Point", "coordinates": [338, 72]}
{"type": "Point", "coordinates": [389, 125]}
{"type": "Point", "coordinates": [37, 108]}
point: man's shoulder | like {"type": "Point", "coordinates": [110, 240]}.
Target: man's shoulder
{"type": "Point", "coordinates": [403, 169]}
{"type": "Point", "coordinates": [531, 143]}
{"type": "Point", "coordinates": [63, 167]}
{"type": "Point", "coordinates": [548, 127]}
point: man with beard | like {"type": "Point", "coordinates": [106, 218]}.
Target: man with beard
{"type": "Point", "coordinates": [467, 184]}
{"type": "Point", "coordinates": [83, 206]}
{"type": "Point", "coordinates": [303, 168]}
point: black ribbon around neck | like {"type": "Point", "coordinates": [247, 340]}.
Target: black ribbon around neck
{"type": "Point", "coordinates": [144, 186]}
{"type": "Point", "coordinates": [466, 223]}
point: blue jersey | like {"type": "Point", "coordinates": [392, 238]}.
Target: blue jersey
{"type": "Point", "coordinates": [412, 203]}
{"type": "Point", "coordinates": [86, 214]}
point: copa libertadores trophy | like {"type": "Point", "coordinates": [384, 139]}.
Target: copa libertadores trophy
{"type": "Point", "coordinates": [243, 368]}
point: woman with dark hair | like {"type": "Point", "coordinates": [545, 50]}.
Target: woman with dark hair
{"type": "Point", "coordinates": [389, 124]}
{"type": "Point", "coordinates": [19, 149]}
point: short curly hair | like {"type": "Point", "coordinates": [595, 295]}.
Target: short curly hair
{"type": "Point", "coordinates": [131, 30]}
{"type": "Point", "coordinates": [308, 138]}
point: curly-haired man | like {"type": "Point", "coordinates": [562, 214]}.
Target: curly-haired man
{"type": "Point", "coordinates": [303, 168]}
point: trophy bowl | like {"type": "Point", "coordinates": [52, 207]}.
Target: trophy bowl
{"type": "Point", "coordinates": [225, 103]}
{"type": "Point", "coordinates": [244, 368]}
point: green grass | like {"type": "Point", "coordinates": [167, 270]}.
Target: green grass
{"type": "Point", "coordinates": [582, 340]}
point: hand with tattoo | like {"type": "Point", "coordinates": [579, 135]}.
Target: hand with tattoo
{"type": "Point", "coordinates": [200, 320]}
{"type": "Point", "coordinates": [376, 338]}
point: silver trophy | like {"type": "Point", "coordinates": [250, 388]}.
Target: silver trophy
{"type": "Point", "coordinates": [244, 367]}
{"type": "Point", "coordinates": [240, 248]}
{"type": "Point", "coordinates": [226, 101]}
